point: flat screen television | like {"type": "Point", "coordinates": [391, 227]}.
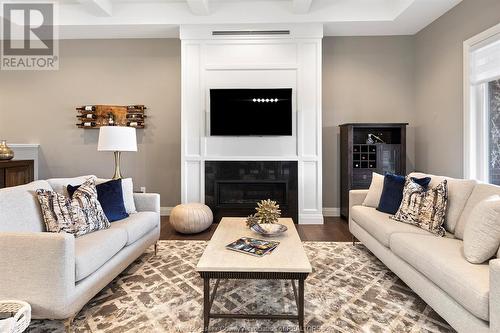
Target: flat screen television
{"type": "Point", "coordinates": [257, 112]}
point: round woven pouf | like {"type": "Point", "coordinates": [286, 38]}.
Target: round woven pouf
{"type": "Point", "coordinates": [191, 218]}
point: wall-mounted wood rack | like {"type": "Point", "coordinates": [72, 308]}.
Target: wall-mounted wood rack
{"type": "Point", "coordinates": [95, 116]}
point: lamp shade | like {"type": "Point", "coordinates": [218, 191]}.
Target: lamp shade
{"type": "Point", "coordinates": [117, 138]}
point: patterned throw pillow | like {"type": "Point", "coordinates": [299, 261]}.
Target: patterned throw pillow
{"type": "Point", "coordinates": [409, 209]}
{"type": "Point", "coordinates": [79, 216]}
{"type": "Point", "coordinates": [423, 208]}
{"type": "Point", "coordinates": [433, 209]}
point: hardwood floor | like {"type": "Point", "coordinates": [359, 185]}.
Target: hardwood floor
{"type": "Point", "coordinates": [335, 229]}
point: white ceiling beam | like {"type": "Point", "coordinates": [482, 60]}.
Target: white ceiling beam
{"type": "Point", "coordinates": [98, 7]}
{"type": "Point", "coordinates": [199, 7]}
{"type": "Point", "coordinates": [301, 6]}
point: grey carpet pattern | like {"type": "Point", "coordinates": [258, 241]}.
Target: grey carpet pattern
{"type": "Point", "coordinates": [349, 291]}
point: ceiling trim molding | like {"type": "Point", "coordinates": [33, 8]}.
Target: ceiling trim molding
{"type": "Point", "coordinates": [98, 7]}
{"type": "Point", "coordinates": [199, 7]}
{"type": "Point", "coordinates": [301, 6]}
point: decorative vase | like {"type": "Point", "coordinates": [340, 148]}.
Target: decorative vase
{"type": "Point", "coordinates": [5, 152]}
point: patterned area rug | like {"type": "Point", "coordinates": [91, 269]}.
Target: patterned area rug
{"type": "Point", "coordinates": [349, 291]}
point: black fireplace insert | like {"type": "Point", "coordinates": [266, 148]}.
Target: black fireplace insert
{"type": "Point", "coordinates": [233, 188]}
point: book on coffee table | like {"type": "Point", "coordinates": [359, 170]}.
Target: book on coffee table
{"type": "Point", "coordinates": [253, 246]}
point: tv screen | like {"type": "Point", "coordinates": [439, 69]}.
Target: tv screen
{"type": "Point", "coordinates": [255, 112]}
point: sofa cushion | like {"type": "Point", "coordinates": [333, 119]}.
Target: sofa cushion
{"type": "Point", "coordinates": [95, 249]}
{"type": "Point", "coordinates": [110, 196]}
{"type": "Point", "coordinates": [482, 233]}
{"type": "Point", "coordinates": [372, 199]}
{"type": "Point", "coordinates": [79, 215]}
{"type": "Point", "coordinates": [392, 193]}
{"type": "Point", "coordinates": [127, 191]}
{"type": "Point", "coordinates": [442, 261]}
{"type": "Point", "coordinates": [480, 193]}
{"type": "Point", "coordinates": [459, 191]}
{"type": "Point", "coordinates": [380, 225]}
{"type": "Point", "coordinates": [19, 208]}
{"type": "Point", "coordinates": [137, 225]}
{"type": "Point", "coordinates": [59, 184]}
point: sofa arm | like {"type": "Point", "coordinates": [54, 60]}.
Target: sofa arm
{"type": "Point", "coordinates": [494, 295]}
{"type": "Point", "coordinates": [356, 198]}
{"type": "Point", "coordinates": [147, 202]}
{"type": "Point", "coordinates": [38, 268]}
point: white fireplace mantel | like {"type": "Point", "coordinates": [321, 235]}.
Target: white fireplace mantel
{"type": "Point", "coordinates": [290, 60]}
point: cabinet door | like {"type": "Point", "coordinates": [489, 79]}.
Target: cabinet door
{"type": "Point", "coordinates": [15, 176]}
{"type": "Point", "coordinates": [389, 158]}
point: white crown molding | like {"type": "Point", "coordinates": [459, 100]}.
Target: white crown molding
{"type": "Point", "coordinates": [301, 6]}
{"type": "Point", "coordinates": [199, 7]}
{"type": "Point", "coordinates": [98, 7]}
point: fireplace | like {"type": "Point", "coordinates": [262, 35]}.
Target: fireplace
{"type": "Point", "coordinates": [232, 188]}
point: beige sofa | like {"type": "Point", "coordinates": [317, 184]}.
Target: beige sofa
{"type": "Point", "coordinates": [55, 272]}
{"type": "Point", "coordinates": [464, 294]}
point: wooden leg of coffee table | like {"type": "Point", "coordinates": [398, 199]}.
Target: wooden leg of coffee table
{"type": "Point", "coordinates": [301, 305]}
{"type": "Point", "coordinates": [206, 304]}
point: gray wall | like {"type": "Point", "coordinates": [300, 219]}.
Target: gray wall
{"type": "Point", "coordinates": [365, 79]}
{"type": "Point", "coordinates": [39, 107]}
{"type": "Point", "coordinates": [439, 90]}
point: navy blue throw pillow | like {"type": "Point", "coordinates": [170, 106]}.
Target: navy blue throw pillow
{"type": "Point", "coordinates": [110, 196]}
{"type": "Point", "coordinates": [392, 193]}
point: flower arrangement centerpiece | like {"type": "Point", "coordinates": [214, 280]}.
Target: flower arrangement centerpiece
{"type": "Point", "coordinates": [265, 220]}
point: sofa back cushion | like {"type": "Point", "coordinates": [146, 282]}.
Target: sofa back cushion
{"type": "Point", "coordinates": [59, 184]}
{"type": "Point", "coordinates": [19, 208]}
{"type": "Point", "coordinates": [482, 232]}
{"type": "Point", "coordinates": [459, 191]}
{"type": "Point", "coordinates": [481, 192]}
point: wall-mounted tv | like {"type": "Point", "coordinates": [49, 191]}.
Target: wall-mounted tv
{"type": "Point", "coordinates": [258, 112]}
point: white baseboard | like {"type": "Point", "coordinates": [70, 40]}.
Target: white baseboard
{"type": "Point", "coordinates": [327, 211]}
{"type": "Point", "coordinates": [165, 211]}
{"type": "Point", "coordinates": [331, 211]}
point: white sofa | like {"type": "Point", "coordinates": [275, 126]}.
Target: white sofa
{"type": "Point", "coordinates": [464, 294]}
{"type": "Point", "coordinates": [55, 272]}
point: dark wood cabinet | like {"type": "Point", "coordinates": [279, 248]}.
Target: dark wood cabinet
{"type": "Point", "coordinates": [360, 157]}
{"type": "Point", "coordinates": [16, 172]}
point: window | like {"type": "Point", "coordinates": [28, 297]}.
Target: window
{"type": "Point", "coordinates": [494, 131]}
{"type": "Point", "coordinates": [482, 107]}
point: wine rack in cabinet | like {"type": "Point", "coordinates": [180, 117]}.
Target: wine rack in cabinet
{"type": "Point", "coordinates": [95, 116]}
{"type": "Point", "coordinates": [367, 148]}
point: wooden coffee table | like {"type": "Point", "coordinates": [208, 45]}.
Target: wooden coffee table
{"type": "Point", "coordinates": [287, 262]}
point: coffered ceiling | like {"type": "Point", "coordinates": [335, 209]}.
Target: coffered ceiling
{"type": "Point", "coordinates": [161, 18]}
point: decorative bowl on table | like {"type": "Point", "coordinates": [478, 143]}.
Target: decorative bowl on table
{"type": "Point", "coordinates": [268, 229]}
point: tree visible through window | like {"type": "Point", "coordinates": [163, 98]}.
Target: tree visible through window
{"type": "Point", "coordinates": [494, 131]}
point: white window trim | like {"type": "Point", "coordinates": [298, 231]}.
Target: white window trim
{"type": "Point", "coordinates": [470, 144]}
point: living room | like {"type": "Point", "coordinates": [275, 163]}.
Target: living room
{"type": "Point", "coordinates": [350, 149]}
